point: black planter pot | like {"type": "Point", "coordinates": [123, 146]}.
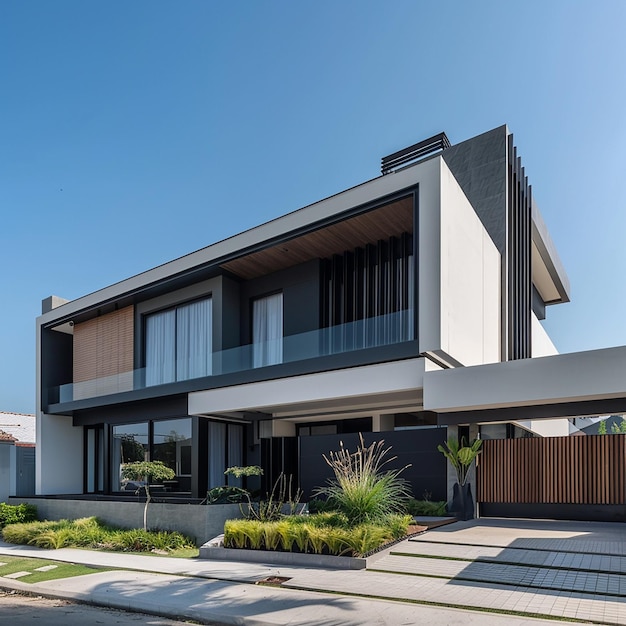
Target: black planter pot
{"type": "Point", "coordinates": [462, 502]}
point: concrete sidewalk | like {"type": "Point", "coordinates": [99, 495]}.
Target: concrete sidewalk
{"type": "Point", "coordinates": [226, 593]}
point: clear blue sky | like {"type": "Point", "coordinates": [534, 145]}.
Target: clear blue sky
{"type": "Point", "coordinates": [132, 133]}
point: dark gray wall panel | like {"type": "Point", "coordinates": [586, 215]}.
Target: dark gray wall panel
{"type": "Point", "coordinates": [300, 286]}
{"type": "Point", "coordinates": [583, 512]}
{"type": "Point", "coordinates": [479, 166]}
{"type": "Point", "coordinates": [57, 355]}
{"type": "Point", "coordinates": [157, 408]}
{"type": "Point", "coordinates": [415, 447]}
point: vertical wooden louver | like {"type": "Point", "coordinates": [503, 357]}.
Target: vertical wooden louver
{"type": "Point", "coordinates": [103, 354]}
{"type": "Point", "coordinates": [368, 283]}
{"type": "Point", "coordinates": [553, 470]}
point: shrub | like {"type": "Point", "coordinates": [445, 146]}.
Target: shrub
{"type": "Point", "coordinates": [366, 537]}
{"type": "Point", "coordinates": [226, 495]}
{"type": "Point", "coordinates": [317, 536]}
{"type": "Point", "coordinates": [23, 534]}
{"type": "Point", "coordinates": [16, 514]}
{"type": "Point", "coordinates": [397, 525]}
{"type": "Point", "coordinates": [283, 496]}
{"type": "Point", "coordinates": [321, 506]}
{"type": "Point", "coordinates": [426, 508]}
{"type": "Point", "coordinates": [361, 489]}
{"type": "Point", "coordinates": [300, 535]}
{"type": "Point", "coordinates": [234, 536]}
{"type": "Point", "coordinates": [244, 472]}
{"type": "Point", "coordinates": [331, 519]}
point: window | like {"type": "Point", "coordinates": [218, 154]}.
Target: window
{"type": "Point", "coordinates": [267, 330]}
{"type": "Point", "coordinates": [171, 444]}
{"type": "Point", "coordinates": [130, 443]}
{"type": "Point", "coordinates": [179, 343]}
{"type": "Point", "coordinates": [168, 441]}
{"type": "Point", "coordinates": [225, 450]}
{"type": "Point", "coordinates": [94, 447]}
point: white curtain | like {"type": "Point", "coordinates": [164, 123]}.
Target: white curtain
{"type": "Point", "coordinates": [267, 330]}
{"type": "Point", "coordinates": [235, 451]}
{"type": "Point", "coordinates": [194, 344]}
{"type": "Point", "coordinates": [160, 348]}
{"type": "Point", "coordinates": [217, 454]}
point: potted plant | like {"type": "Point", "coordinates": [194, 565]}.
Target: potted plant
{"type": "Point", "coordinates": [461, 456]}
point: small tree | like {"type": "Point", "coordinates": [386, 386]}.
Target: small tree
{"type": "Point", "coordinates": [147, 471]}
{"type": "Point", "coordinates": [619, 429]}
{"type": "Point", "coordinates": [602, 428]}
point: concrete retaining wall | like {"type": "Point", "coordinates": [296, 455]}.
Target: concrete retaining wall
{"type": "Point", "coordinates": [200, 522]}
{"type": "Point", "coordinates": [291, 559]}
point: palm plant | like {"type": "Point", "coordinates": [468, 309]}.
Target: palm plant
{"type": "Point", "coordinates": [460, 455]}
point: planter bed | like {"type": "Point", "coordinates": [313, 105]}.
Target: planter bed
{"type": "Point", "coordinates": [212, 551]}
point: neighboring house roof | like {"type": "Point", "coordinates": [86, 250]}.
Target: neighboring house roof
{"type": "Point", "coordinates": [592, 429]}
{"type": "Point", "coordinates": [20, 426]}
{"type": "Point", "coordinates": [6, 437]}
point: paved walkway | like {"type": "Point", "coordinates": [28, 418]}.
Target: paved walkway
{"type": "Point", "coordinates": [578, 569]}
{"type": "Point", "coordinates": [471, 560]}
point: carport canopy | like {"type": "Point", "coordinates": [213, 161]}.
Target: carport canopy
{"type": "Point", "coordinates": [564, 385]}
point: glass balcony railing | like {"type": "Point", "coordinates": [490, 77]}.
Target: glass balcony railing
{"type": "Point", "coordinates": [360, 335]}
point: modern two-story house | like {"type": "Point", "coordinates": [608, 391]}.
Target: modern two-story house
{"type": "Point", "coordinates": [270, 346]}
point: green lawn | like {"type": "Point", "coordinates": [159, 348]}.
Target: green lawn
{"type": "Point", "coordinates": [11, 565]}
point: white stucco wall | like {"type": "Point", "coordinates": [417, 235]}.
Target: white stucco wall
{"type": "Point", "coordinates": [459, 275]}
{"type": "Point", "coordinates": [59, 465]}
{"type": "Point", "coordinates": [547, 428]}
{"type": "Point", "coordinates": [573, 377]}
{"type": "Point", "coordinates": [541, 343]}
{"type": "Point", "coordinates": [542, 346]}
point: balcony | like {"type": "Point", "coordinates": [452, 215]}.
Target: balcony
{"type": "Point", "coordinates": [228, 365]}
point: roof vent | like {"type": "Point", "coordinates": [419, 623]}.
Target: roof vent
{"type": "Point", "coordinates": [428, 147]}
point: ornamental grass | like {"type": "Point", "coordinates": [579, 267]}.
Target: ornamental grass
{"type": "Point", "coordinates": [362, 490]}
{"type": "Point", "coordinates": [89, 532]}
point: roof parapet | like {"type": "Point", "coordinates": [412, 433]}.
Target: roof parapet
{"type": "Point", "coordinates": [427, 147]}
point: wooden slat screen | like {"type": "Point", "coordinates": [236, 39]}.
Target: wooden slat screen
{"type": "Point", "coordinates": [553, 470]}
{"type": "Point", "coordinates": [104, 354]}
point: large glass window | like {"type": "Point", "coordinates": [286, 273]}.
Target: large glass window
{"type": "Point", "coordinates": [168, 441]}
{"type": "Point", "coordinates": [267, 330]}
{"type": "Point", "coordinates": [171, 444]}
{"type": "Point", "coordinates": [179, 343]}
{"type": "Point", "coordinates": [129, 443]}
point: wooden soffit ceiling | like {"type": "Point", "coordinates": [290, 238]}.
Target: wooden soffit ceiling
{"type": "Point", "coordinates": [389, 221]}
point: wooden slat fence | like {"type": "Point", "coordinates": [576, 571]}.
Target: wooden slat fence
{"type": "Point", "coordinates": [553, 470]}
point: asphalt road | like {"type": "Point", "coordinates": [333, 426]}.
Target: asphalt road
{"type": "Point", "coordinates": [19, 610]}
